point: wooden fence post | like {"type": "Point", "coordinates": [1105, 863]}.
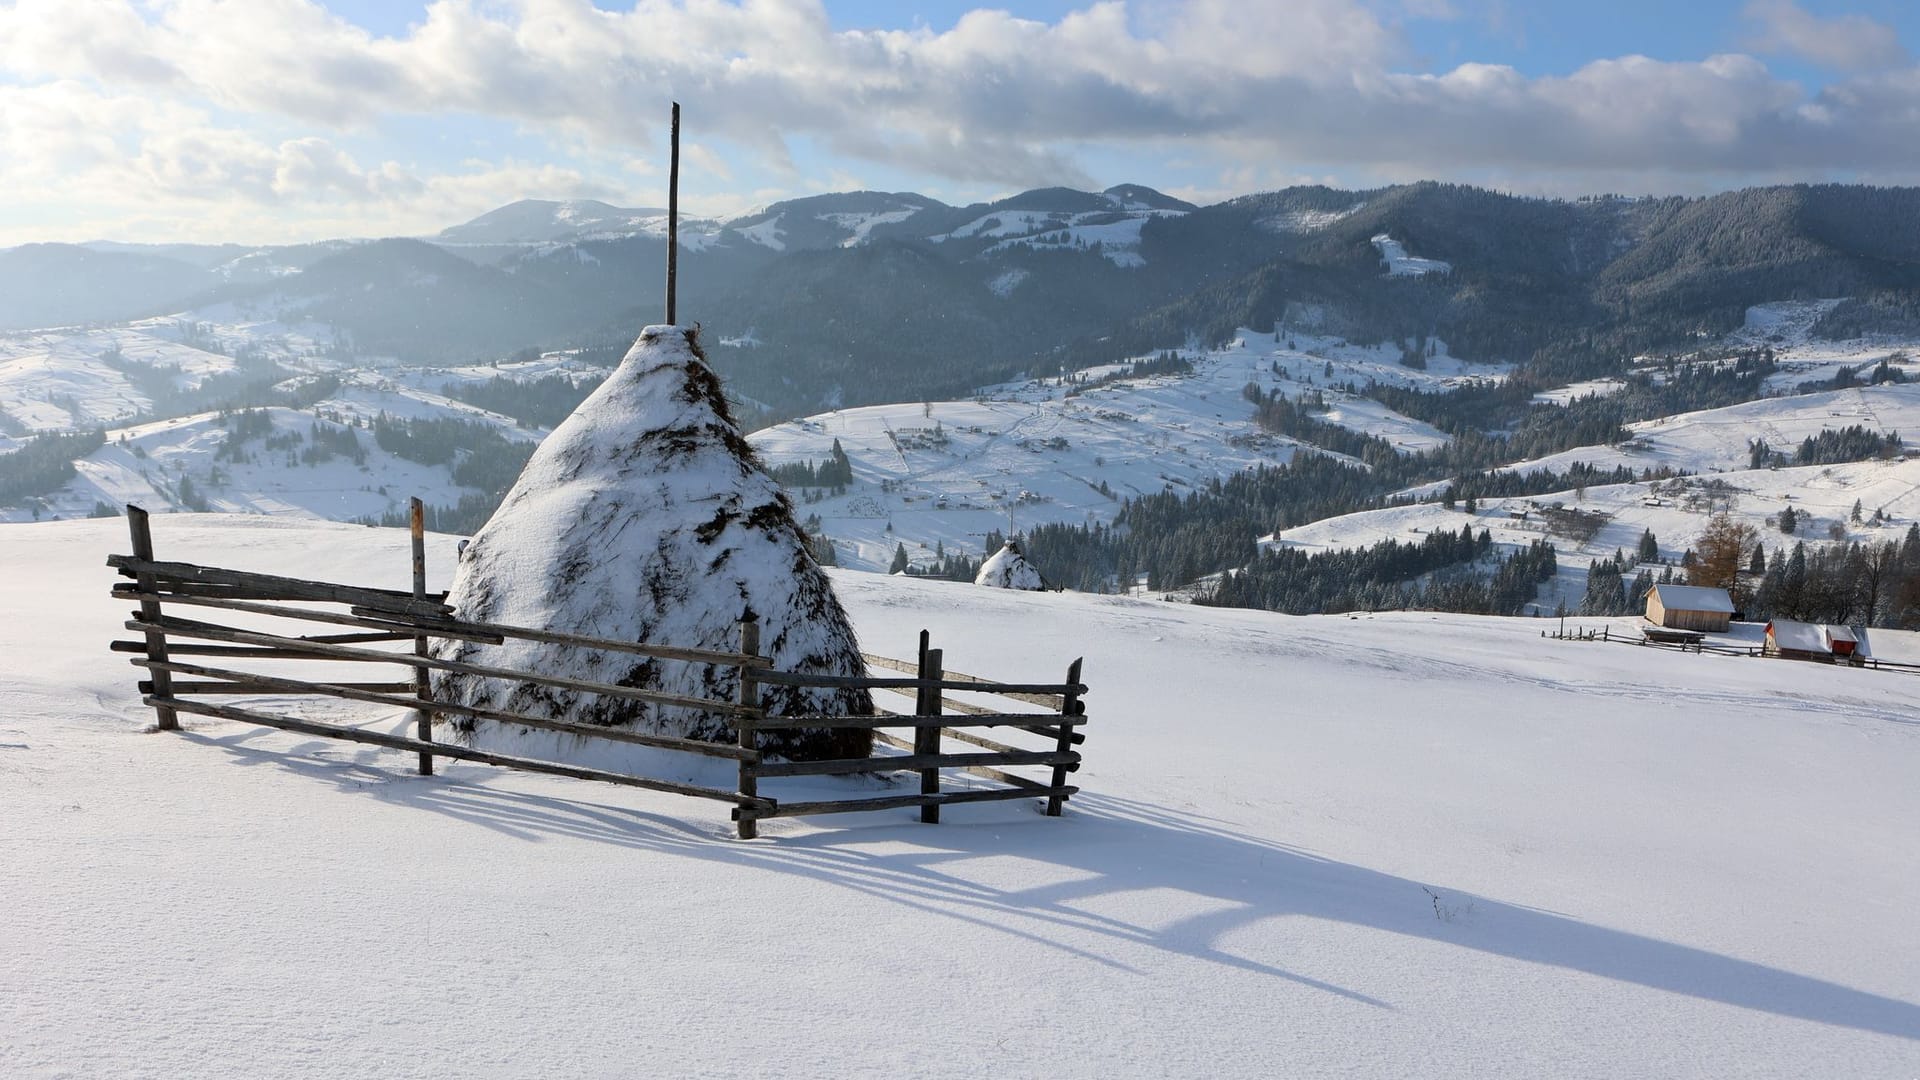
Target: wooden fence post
{"type": "Point", "coordinates": [422, 678]}
{"type": "Point", "coordinates": [749, 826]}
{"type": "Point", "coordinates": [926, 740]}
{"type": "Point", "coordinates": [150, 613]}
{"type": "Point", "coordinates": [1069, 706]}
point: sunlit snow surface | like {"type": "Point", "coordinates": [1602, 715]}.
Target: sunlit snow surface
{"type": "Point", "coordinates": [942, 475]}
{"type": "Point", "coordinates": [1406, 845]}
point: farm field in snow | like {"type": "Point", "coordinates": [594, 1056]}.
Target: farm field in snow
{"type": "Point", "coordinates": [1405, 844]}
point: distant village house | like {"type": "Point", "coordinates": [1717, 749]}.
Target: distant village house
{"type": "Point", "coordinates": [1792, 640]}
{"type": "Point", "coordinates": [1690, 607]}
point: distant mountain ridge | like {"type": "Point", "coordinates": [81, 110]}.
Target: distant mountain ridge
{"type": "Point", "coordinates": [859, 297]}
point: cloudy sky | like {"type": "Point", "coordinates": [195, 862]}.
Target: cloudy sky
{"type": "Point", "coordinates": [283, 120]}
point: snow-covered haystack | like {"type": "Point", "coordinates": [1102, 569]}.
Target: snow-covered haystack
{"type": "Point", "coordinates": [1009, 569]}
{"type": "Point", "coordinates": [646, 517]}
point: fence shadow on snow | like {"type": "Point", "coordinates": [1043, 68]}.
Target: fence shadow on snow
{"type": "Point", "coordinates": [1112, 846]}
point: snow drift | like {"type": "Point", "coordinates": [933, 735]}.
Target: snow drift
{"type": "Point", "coordinates": [1009, 569]}
{"type": "Point", "coordinates": [646, 517]}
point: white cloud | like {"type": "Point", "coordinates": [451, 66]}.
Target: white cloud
{"type": "Point", "coordinates": [260, 100]}
{"type": "Point", "coordinates": [1840, 43]}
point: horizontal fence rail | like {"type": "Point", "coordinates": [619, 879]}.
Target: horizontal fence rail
{"type": "Point", "coordinates": [188, 659]}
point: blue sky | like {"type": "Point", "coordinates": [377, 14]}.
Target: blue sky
{"type": "Point", "coordinates": [259, 120]}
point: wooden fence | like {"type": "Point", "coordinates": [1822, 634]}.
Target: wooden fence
{"type": "Point", "coordinates": [190, 659]}
{"type": "Point", "coordinates": [1604, 635]}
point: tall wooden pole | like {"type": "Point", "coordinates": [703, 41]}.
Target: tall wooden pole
{"type": "Point", "coordinates": [168, 719]}
{"type": "Point", "coordinates": [926, 740]}
{"type": "Point", "coordinates": [1069, 706]}
{"type": "Point", "coordinates": [422, 678]}
{"type": "Point", "coordinates": [748, 825]}
{"type": "Point", "coordinates": [673, 215]}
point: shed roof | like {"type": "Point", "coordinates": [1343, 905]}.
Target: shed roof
{"type": "Point", "coordinates": [1693, 598]}
{"type": "Point", "coordinates": [1799, 636]}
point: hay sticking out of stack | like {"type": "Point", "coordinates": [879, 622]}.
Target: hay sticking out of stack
{"type": "Point", "coordinates": [646, 517]}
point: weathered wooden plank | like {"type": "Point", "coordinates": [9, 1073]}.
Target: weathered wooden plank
{"type": "Point", "coordinates": [926, 740]}
{"type": "Point", "coordinates": [147, 686]}
{"type": "Point", "coordinates": [983, 742]}
{"type": "Point", "coordinates": [745, 824]}
{"type": "Point", "coordinates": [208, 632]}
{"type": "Point", "coordinates": [888, 662]}
{"type": "Point", "coordinates": [855, 682]}
{"type": "Point", "coordinates": [360, 692]}
{"type": "Point", "coordinates": [762, 806]}
{"type": "Point", "coordinates": [293, 588]}
{"type": "Point", "coordinates": [422, 678]}
{"type": "Point", "coordinates": [156, 640]}
{"type": "Point", "coordinates": [324, 639]}
{"type": "Point", "coordinates": [442, 626]}
{"type": "Point", "coordinates": [237, 651]}
{"type": "Point", "coordinates": [986, 771]}
{"type": "Point", "coordinates": [998, 718]}
{"type": "Point", "coordinates": [1069, 706]}
{"type": "Point", "coordinates": [902, 720]}
{"type": "Point", "coordinates": [894, 741]}
{"type": "Point", "coordinates": [1046, 698]}
{"type": "Point", "coordinates": [894, 802]}
{"type": "Point", "coordinates": [914, 762]}
{"type": "Point", "coordinates": [657, 652]}
{"type": "Point", "coordinates": [366, 617]}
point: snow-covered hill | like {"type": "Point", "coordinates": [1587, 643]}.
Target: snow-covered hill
{"type": "Point", "coordinates": [1401, 845]}
{"type": "Point", "coordinates": [942, 475]}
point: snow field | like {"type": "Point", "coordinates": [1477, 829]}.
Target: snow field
{"type": "Point", "coordinates": [936, 475]}
{"type": "Point", "coordinates": [1400, 845]}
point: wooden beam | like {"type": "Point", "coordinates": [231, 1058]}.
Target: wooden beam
{"type": "Point", "coordinates": [166, 719]}
{"type": "Point", "coordinates": [1045, 697]}
{"type": "Point", "coordinates": [856, 682]}
{"type": "Point", "coordinates": [673, 214]}
{"type": "Point", "coordinates": [892, 802]}
{"type": "Point", "coordinates": [422, 678]}
{"type": "Point", "coordinates": [379, 618]}
{"type": "Point", "coordinates": [363, 692]}
{"type": "Point", "coordinates": [913, 762]}
{"type": "Point", "coordinates": [488, 633]}
{"type": "Point", "coordinates": [899, 720]}
{"type": "Point", "coordinates": [761, 806]}
{"type": "Point", "coordinates": [294, 588]}
{"type": "Point", "coordinates": [260, 687]}
{"type": "Point", "coordinates": [186, 649]}
{"type": "Point", "coordinates": [998, 719]}
{"type": "Point", "coordinates": [208, 632]}
{"type": "Point", "coordinates": [744, 822]}
{"type": "Point", "coordinates": [1069, 706]}
{"type": "Point", "coordinates": [926, 740]}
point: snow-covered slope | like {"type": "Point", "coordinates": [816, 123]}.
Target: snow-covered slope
{"type": "Point", "coordinates": [942, 475]}
{"type": "Point", "coordinates": [1407, 845]}
{"type": "Point", "coordinates": [1401, 264]}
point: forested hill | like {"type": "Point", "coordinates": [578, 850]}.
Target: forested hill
{"type": "Point", "coordinates": [868, 297]}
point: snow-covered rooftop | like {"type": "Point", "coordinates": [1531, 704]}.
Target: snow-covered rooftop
{"type": "Point", "coordinates": [1694, 598]}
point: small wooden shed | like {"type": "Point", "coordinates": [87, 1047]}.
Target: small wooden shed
{"type": "Point", "coordinates": [1690, 607]}
{"type": "Point", "coordinates": [1792, 640]}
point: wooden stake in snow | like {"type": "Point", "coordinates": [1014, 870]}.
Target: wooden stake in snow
{"type": "Point", "coordinates": [142, 536]}
{"type": "Point", "coordinates": [673, 213]}
{"type": "Point", "coordinates": [422, 678]}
